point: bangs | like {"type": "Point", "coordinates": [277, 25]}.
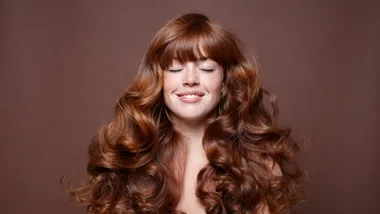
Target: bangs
{"type": "Point", "coordinates": [199, 44]}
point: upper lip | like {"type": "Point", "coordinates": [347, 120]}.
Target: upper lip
{"type": "Point", "coordinates": [198, 93]}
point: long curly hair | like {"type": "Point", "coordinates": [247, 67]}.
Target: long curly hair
{"type": "Point", "coordinates": [136, 162]}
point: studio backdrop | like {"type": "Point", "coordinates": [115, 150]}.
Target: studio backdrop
{"type": "Point", "coordinates": [65, 63]}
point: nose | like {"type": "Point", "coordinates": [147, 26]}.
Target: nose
{"type": "Point", "coordinates": [190, 76]}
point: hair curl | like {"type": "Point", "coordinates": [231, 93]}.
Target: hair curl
{"type": "Point", "coordinates": [136, 162]}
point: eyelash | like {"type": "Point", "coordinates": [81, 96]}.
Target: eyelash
{"type": "Point", "coordinates": [207, 70]}
{"type": "Point", "coordinates": [178, 70]}
{"type": "Point", "coordinates": [175, 70]}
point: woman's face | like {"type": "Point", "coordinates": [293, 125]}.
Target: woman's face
{"type": "Point", "coordinates": [192, 90]}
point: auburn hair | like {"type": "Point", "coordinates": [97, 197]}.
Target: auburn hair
{"type": "Point", "coordinates": [136, 162]}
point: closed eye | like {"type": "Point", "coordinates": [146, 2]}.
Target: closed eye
{"type": "Point", "coordinates": [174, 70]}
{"type": "Point", "coordinates": [207, 70]}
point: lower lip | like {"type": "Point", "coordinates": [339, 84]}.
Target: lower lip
{"type": "Point", "coordinates": [190, 100]}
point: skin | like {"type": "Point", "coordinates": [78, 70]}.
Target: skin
{"type": "Point", "coordinates": [205, 76]}
{"type": "Point", "coordinates": [188, 118]}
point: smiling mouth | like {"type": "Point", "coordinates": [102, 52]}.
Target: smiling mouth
{"type": "Point", "coordinates": [189, 96]}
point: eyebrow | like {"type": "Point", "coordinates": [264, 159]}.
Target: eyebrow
{"type": "Point", "coordinates": [203, 59]}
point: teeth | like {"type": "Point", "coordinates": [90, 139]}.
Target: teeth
{"type": "Point", "coordinates": [190, 96]}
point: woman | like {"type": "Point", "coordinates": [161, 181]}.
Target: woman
{"type": "Point", "coordinates": [191, 133]}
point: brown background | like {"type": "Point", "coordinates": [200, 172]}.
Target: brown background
{"type": "Point", "coordinates": [63, 64]}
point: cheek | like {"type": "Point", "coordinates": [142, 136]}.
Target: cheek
{"type": "Point", "coordinates": [169, 84]}
{"type": "Point", "coordinates": [214, 83]}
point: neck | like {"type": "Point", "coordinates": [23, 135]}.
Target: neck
{"type": "Point", "coordinates": [192, 131]}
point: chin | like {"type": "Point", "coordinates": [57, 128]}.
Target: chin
{"type": "Point", "coordinates": [194, 117]}
{"type": "Point", "coordinates": [191, 118]}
